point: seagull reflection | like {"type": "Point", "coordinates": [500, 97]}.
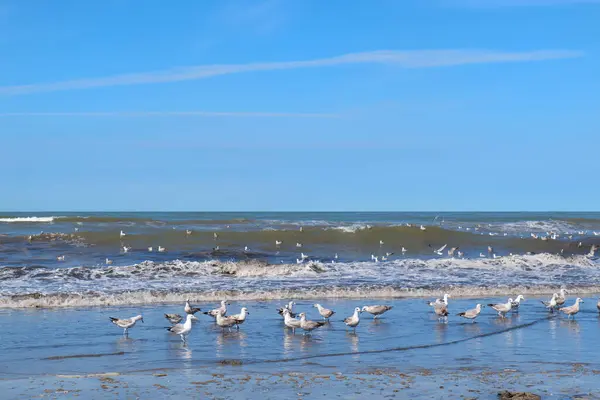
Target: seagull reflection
{"type": "Point", "coordinates": [288, 342]}
{"type": "Point", "coordinates": [231, 342]}
{"type": "Point", "coordinates": [353, 340]}
{"type": "Point", "coordinates": [440, 332]}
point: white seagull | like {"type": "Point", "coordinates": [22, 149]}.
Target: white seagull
{"type": "Point", "coordinates": [150, 249]}
{"type": "Point", "coordinates": [309, 326]}
{"type": "Point", "coordinates": [377, 310]}
{"type": "Point", "coordinates": [126, 324]}
{"type": "Point", "coordinates": [290, 322]}
{"type": "Point", "coordinates": [298, 244]}
{"type": "Point", "coordinates": [353, 320]}
{"type": "Point", "coordinates": [325, 312]}
{"type": "Point", "coordinates": [472, 313]}
{"type": "Point", "coordinates": [225, 322]}
{"type": "Point", "coordinates": [183, 330]}
{"type": "Point", "coordinates": [121, 234]}
{"type": "Point", "coordinates": [161, 249]}
{"type": "Point", "coordinates": [502, 308]}
{"type": "Point", "coordinates": [551, 305]}
{"type": "Point", "coordinates": [189, 309]}
{"type": "Point", "coordinates": [516, 303]}
{"type": "Point", "coordinates": [216, 311]}
{"type": "Point", "coordinates": [241, 317]}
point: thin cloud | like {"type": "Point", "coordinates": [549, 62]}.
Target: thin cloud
{"type": "Point", "coordinates": [169, 114]}
{"type": "Point", "coordinates": [404, 59]}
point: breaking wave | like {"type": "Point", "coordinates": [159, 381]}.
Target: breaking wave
{"type": "Point", "coordinates": [27, 219]}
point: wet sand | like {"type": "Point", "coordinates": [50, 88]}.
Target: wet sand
{"type": "Point", "coordinates": [78, 353]}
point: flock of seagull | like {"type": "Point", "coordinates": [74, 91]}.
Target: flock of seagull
{"type": "Point", "coordinates": [299, 321]}
{"type": "Point", "coordinates": [225, 321]}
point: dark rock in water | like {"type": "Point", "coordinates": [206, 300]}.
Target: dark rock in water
{"type": "Point", "coordinates": [506, 395]}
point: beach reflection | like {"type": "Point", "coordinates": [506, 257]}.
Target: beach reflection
{"type": "Point", "coordinates": [441, 331]}
{"type": "Point", "coordinates": [288, 342]}
{"type": "Point", "coordinates": [228, 340]}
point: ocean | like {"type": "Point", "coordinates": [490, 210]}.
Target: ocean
{"type": "Point", "coordinates": [61, 259]}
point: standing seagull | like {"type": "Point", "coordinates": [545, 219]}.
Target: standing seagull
{"type": "Point", "coordinates": [560, 300]}
{"type": "Point", "coordinates": [443, 301]}
{"type": "Point", "coordinates": [183, 329]}
{"type": "Point", "coordinates": [551, 305]}
{"type": "Point", "coordinates": [309, 326]}
{"type": "Point", "coordinates": [502, 308]}
{"type": "Point", "coordinates": [216, 311]}
{"type": "Point", "coordinates": [241, 317]}
{"type": "Point", "coordinates": [441, 310]}
{"type": "Point", "coordinates": [571, 310]}
{"type": "Point", "coordinates": [472, 313]}
{"type": "Point", "coordinates": [354, 320]}
{"type": "Point", "coordinates": [289, 321]}
{"type": "Point", "coordinates": [223, 321]}
{"type": "Point", "coordinates": [126, 323]}
{"type": "Point", "coordinates": [290, 307]}
{"type": "Point", "coordinates": [121, 234]}
{"type": "Point", "coordinates": [189, 309]}
{"type": "Point", "coordinates": [173, 318]}
{"type": "Point", "coordinates": [516, 303]}
{"type": "Point", "coordinates": [325, 312]}
{"type": "Point", "coordinates": [377, 310]}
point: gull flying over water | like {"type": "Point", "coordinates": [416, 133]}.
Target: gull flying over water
{"type": "Point", "coordinates": [439, 251]}
{"type": "Point", "coordinates": [452, 251]}
{"type": "Point", "coordinates": [173, 318]}
{"type": "Point", "coordinates": [309, 326]}
{"type": "Point", "coordinates": [325, 312]}
{"type": "Point", "coordinates": [126, 324]}
{"type": "Point", "coordinates": [472, 313]}
{"type": "Point", "coordinates": [377, 310]}
{"type": "Point", "coordinates": [354, 319]}
{"type": "Point", "coordinates": [502, 308]}
{"type": "Point", "coordinates": [189, 309]}
{"type": "Point", "coordinates": [571, 310]}
{"type": "Point", "coordinates": [183, 330]}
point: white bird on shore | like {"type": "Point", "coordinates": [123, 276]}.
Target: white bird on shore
{"type": "Point", "coordinates": [121, 234]}
{"type": "Point", "coordinates": [299, 261]}
{"type": "Point", "coordinates": [161, 249]}
{"type": "Point", "coordinates": [108, 262]}
{"type": "Point", "coordinates": [325, 312]}
{"type": "Point", "coordinates": [189, 309]}
{"type": "Point", "coordinates": [561, 298]}
{"type": "Point", "coordinates": [60, 258]}
{"type": "Point", "coordinates": [516, 303]}
{"type": "Point", "coordinates": [404, 250]}
{"type": "Point", "coordinates": [550, 305]}
{"type": "Point", "coordinates": [188, 232]}
{"type": "Point", "coordinates": [301, 229]}
{"type": "Point", "coordinates": [482, 255]}
{"type": "Point", "coordinates": [309, 326]}
{"type": "Point", "coordinates": [289, 306]}
{"type": "Point", "coordinates": [461, 254]}
{"type": "Point", "coordinates": [443, 301]}
{"type": "Point", "coordinates": [240, 318]}
{"type": "Point", "coordinates": [490, 249]}
{"type": "Point", "coordinates": [216, 311]}
{"type": "Point", "coordinates": [381, 243]}
{"type": "Point", "coordinates": [246, 249]}
{"type": "Point", "coordinates": [223, 321]}
{"type": "Point", "coordinates": [384, 258]}
{"type": "Point", "coordinates": [374, 258]}
{"type": "Point", "coordinates": [571, 310]}
{"type": "Point", "coordinates": [596, 233]}
{"type": "Point", "coordinates": [298, 244]}
{"type": "Point", "coordinates": [422, 228]}
{"type": "Point", "coordinates": [303, 256]}
{"type": "Point", "coordinates": [336, 256]}
{"type": "Point", "coordinates": [289, 321]}
{"type": "Point", "coordinates": [278, 243]}
{"type": "Point", "coordinates": [183, 330]}
{"type": "Point", "coordinates": [502, 308]}
{"type": "Point", "coordinates": [354, 319]}
{"type": "Point", "coordinates": [472, 313]}
{"type": "Point", "coordinates": [377, 310]}
{"type": "Point", "coordinates": [150, 249]}
{"type": "Point", "coordinates": [215, 235]}
{"type": "Point", "coordinates": [593, 249]}
{"type": "Point", "coordinates": [126, 324]}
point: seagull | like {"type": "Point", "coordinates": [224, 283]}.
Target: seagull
{"type": "Point", "coordinates": [384, 258]}
{"type": "Point", "coordinates": [593, 249]}
{"type": "Point", "coordinates": [122, 234]}
{"type": "Point", "coordinates": [502, 308]}
{"type": "Point", "coordinates": [161, 249]}
{"type": "Point", "coordinates": [76, 229]}
{"type": "Point", "coordinates": [126, 323]}
{"type": "Point", "coordinates": [376, 310]}
{"type": "Point", "coordinates": [560, 300]}
{"type": "Point", "coordinates": [571, 310]}
{"type": "Point", "coordinates": [596, 233]}
{"type": "Point", "coordinates": [494, 256]}
{"type": "Point", "coordinates": [441, 310]}
{"type": "Point", "coordinates": [550, 305]}
{"type": "Point", "coordinates": [241, 317]}
{"type": "Point", "coordinates": [301, 229]}
{"type": "Point", "coordinates": [443, 301]}
{"type": "Point", "coordinates": [223, 321]}
{"type": "Point", "coordinates": [60, 258]}
{"type": "Point", "coordinates": [404, 250]}
{"type": "Point", "coordinates": [461, 254]}
{"type": "Point", "coordinates": [299, 261]}
{"type": "Point", "coordinates": [490, 249]}
{"type": "Point", "coordinates": [452, 251]}
{"type": "Point", "coordinates": [482, 255]}
{"type": "Point", "coordinates": [246, 249]}
{"type": "Point", "coordinates": [108, 262]}
{"type": "Point", "coordinates": [336, 256]}
{"type": "Point", "coordinates": [216, 311]}
{"type": "Point", "coordinates": [188, 232]}
{"type": "Point", "coordinates": [298, 244]}
{"type": "Point", "coordinates": [472, 313]}
{"type": "Point", "coordinates": [289, 321]}
{"type": "Point", "coordinates": [325, 312]}
{"type": "Point", "coordinates": [439, 251]}
{"type": "Point", "coordinates": [381, 243]}
{"type": "Point", "coordinates": [173, 318]}
{"type": "Point", "coordinates": [373, 258]}
{"type": "Point", "coordinates": [278, 243]}
{"type": "Point", "coordinates": [183, 330]}
{"type": "Point", "coordinates": [353, 320]}
{"type": "Point", "coordinates": [289, 306]}
{"type": "Point", "coordinates": [126, 249]}
{"type": "Point", "coordinates": [388, 254]}
{"type": "Point", "coordinates": [189, 309]}
{"type": "Point", "coordinates": [216, 248]}
{"type": "Point", "coordinates": [303, 256]}
{"type": "Point", "coordinates": [150, 249]}
{"type": "Point", "coordinates": [309, 326]}
{"type": "Point", "coordinates": [423, 228]}
{"type": "Point", "coordinates": [215, 235]}
{"type": "Point", "coordinates": [516, 303]}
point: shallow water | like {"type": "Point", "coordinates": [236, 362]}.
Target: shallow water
{"type": "Point", "coordinates": [407, 340]}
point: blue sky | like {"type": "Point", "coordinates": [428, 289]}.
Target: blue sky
{"type": "Point", "coordinates": [299, 105]}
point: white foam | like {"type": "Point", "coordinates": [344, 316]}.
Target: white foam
{"type": "Point", "coordinates": [350, 228]}
{"type": "Point", "coordinates": [28, 219]}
